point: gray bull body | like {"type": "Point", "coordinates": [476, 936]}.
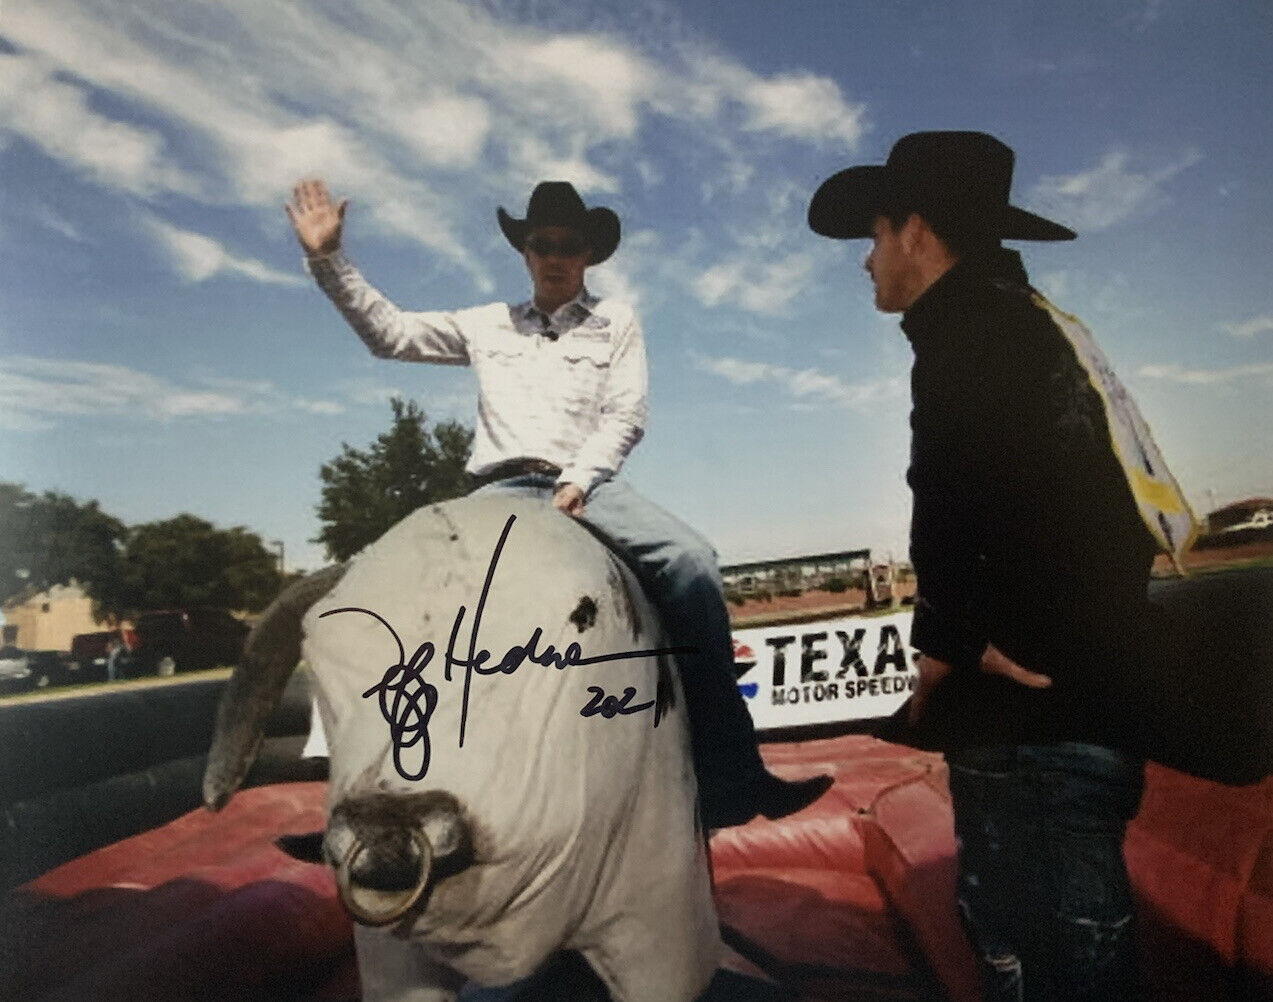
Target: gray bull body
{"type": "Point", "coordinates": [490, 809]}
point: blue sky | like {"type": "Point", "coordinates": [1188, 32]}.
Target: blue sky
{"type": "Point", "coordinates": [161, 349]}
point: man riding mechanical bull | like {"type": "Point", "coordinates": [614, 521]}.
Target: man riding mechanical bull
{"type": "Point", "coordinates": [562, 391]}
{"type": "Point", "coordinates": [556, 832]}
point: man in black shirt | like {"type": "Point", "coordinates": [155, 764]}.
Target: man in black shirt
{"type": "Point", "coordinates": [1039, 501]}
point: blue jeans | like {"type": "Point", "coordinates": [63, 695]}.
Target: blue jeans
{"type": "Point", "coordinates": [679, 572]}
{"type": "Point", "coordinates": [1043, 887]}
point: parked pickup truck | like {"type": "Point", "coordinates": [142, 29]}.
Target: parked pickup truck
{"type": "Point", "coordinates": [174, 640]}
{"type": "Point", "coordinates": [91, 653]}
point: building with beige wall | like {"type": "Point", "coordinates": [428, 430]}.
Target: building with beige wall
{"type": "Point", "coordinates": [48, 621]}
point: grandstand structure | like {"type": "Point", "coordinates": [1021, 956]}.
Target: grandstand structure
{"type": "Point", "coordinates": [797, 574]}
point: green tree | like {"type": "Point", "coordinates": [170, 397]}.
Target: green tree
{"type": "Point", "coordinates": [16, 556]}
{"type": "Point", "coordinates": [366, 491]}
{"type": "Point", "coordinates": [185, 561]}
{"type": "Point", "coordinates": [51, 538]}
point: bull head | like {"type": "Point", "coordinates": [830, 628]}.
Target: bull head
{"type": "Point", "coordinates": [387, 849]}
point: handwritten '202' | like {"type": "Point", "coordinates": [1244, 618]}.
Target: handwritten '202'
{"type": "Point", "coordinates": [407, 700]}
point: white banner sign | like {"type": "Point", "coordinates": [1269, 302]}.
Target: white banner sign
{"type": "Point", "coordinates": [828, 671]}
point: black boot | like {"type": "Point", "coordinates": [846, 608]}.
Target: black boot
{"type": "Point", "coordinates": [764, 794]}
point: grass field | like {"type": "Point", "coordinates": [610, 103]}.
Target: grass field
{"type": "Point", "coordinates": [151, 682]}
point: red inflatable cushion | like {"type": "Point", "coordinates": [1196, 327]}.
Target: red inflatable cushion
{"type": "Point", "coordinates": [815, 918]}
{"type": "Point", "coordinates": [1201, 864]}
{"type": "Point", "coordinates": [204, 907]}
{"type": "Point", "coordinates": [809, 891]}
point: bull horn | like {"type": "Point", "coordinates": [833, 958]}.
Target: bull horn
{"type": "Point", "coordinates": [270, 654]}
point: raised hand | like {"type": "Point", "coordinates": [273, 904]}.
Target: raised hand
{"type": "Point", "coordinates": [315, 218]}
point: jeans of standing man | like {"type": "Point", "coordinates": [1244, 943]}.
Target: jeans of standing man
{"type": "Point", "coordinates": [678, 570]}
{"type": "Point", "coordinates": [1043, 886]}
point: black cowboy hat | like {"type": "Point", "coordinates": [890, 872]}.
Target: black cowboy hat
{"type": "Point", "coordinates": [556, 203]}
{"type": "Point", "coordinates": [958, 180]}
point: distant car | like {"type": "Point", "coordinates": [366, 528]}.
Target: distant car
{"type": "Point", "coordinates": [49, 668]}
{"type": "Point", "coordinates": [174, 640]}
{"type": "Point", "coordinates": [15, 671]}
{"type": "Point", "coordinates": [22, 671]}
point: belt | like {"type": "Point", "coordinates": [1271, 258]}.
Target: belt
{"type": "Point", "coordinates": [521, 467]}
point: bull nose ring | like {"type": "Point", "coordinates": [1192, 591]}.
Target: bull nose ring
{"type": "Point", "coordinates": [395, 906]}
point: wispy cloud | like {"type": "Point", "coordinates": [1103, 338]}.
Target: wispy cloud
{"type": "Point", "coordinates": [55, 116]}
{"type": "Point", "coordinates": [417, 112]}
{"type": "Point", "coordinates": [198, 257]}
{"type": "Point", "coordinates": [35, 392]}
{"type": "Point", "coordinates": [801, 106]}
{"type": "Point", "coordinates": [444, 128]}
{"type": "Point", "coordinates": [603, 82]}
{"type": "Point", "coordinates": [1103, 298]}
{"type": "Point", "coordinates": [807, 387]}
{"type": "Point", "coordinates": [1054, 284]}
{"type": "Point", "coordinates": [1248, 329]}
{"type": "Point", "coordinates": [366, 392]}
{"type": "Point", "coordinates": [643, 274]}
{"type": "Point", "coordinates": [1108, 193]}
{"type": "Point", "coordinates": [758, 285]}
{"type": "Point", "coordinates": [617, 282]}
{"type": "Point", "coordinates": [1175, 373]}
{"type": "Point", "coordinates": [804, 106]}
{"type": "Point", "coordinates": [319, 406]}
{"type": "Point", "coordinates": [1145, 15]}
{"type": "Point", "coordinates": [53, 220]}
{"type": "Point", "coordinates": [369, 391]}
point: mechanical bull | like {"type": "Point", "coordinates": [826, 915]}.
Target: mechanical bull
{"type": "Point", "coordinates": [510, 765]}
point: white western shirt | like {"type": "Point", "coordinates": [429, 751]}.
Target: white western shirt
{"type": "Point", "coordinates": [577, 400]}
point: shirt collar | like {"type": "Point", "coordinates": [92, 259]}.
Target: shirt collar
{"type": "Point", "coordinates": [573, 310]}
{"type": "Point", "coordinates": [927, 312]}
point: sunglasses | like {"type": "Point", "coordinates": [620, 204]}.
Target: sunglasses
{"type": "Point", "coordinates": [564, 247]}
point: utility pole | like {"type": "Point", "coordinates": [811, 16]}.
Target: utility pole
{"type": "Point", "coordinates": [279, 544]}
